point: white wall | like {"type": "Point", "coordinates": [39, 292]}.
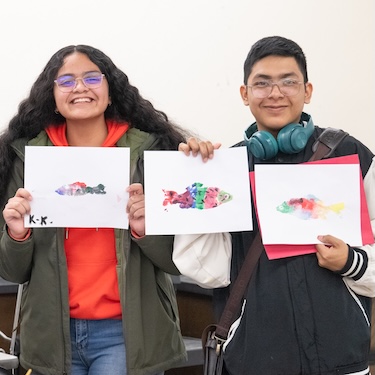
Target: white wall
{"type": "Point", "coordinates": [187, 56]}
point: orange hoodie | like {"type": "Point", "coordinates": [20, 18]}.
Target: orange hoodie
{"type": "Point", "coordinates": [91, 253]}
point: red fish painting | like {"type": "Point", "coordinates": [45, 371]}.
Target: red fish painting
{"type": "Point", "coordinates": [309, 207]}
{"type": "Point", "coordinates": [197, 196]}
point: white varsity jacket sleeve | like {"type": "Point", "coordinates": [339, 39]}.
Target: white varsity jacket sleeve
{"type": "Point", "coordinates": [361, 275]}
{"type": "Point", "coordinates": [204, 258]}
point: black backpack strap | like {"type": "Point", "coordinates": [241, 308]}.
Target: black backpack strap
{"type": "Point", "coordinates": [327, 143]}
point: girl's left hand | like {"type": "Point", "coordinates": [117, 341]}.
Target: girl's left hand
{"type": "Point", "coordinates": [136, 209]}
{"type": "Point", "coordinates": [194, 146]}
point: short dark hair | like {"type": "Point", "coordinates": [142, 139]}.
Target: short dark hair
{"type": "Point", "coordinates": [275, 46]}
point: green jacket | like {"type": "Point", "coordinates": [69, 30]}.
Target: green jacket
{"type": "Point", "coordinates": [150, 316]}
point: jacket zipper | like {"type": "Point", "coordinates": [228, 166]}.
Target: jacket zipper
{"type": "Point", "coordinates": [61, 298]}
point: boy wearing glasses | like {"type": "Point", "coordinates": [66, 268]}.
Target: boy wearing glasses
{"type": "Point", "coordinates": [306, 314]}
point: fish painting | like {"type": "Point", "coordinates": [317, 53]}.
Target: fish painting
{"type": "Point", "coordinates": [197, 196]}
{"type": "Point", "coordinates": [80, 188]}
{"type": "Point", "coordinates": [309, 207]}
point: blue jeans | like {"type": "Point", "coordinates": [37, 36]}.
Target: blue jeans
{"type": "Point", "coordinates": [98, 347]}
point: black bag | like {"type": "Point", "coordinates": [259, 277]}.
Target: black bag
{"type": "Point", "coordinates": [213, 351]}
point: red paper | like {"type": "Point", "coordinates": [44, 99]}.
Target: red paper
{"type": "Point", "coordinates": [283, 251]}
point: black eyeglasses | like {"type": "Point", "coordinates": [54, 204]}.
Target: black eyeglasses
{"type": "Point", "coordinates": [68, 83]}
{"type": "Point", "coordinates": [263, 88]}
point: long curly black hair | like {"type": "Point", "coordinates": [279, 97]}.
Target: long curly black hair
{"type": "Point", "coordinates": [37, 112]}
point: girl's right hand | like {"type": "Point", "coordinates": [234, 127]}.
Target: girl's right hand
{"type": "Point", "coordinates": [14, 212]}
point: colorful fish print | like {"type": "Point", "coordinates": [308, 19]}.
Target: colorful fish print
{"type": "Point", "coordinates": [197, 196]}
{"type": "Point", "coordinates": [80, 188]}
{"type": "Point", "coordinates": [309, 208]}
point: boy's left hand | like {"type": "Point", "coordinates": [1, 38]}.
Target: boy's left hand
{"type": "Point", "coordinates": [332, 253]}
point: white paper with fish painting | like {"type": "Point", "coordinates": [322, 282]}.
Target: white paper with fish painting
{"type": "Point", "coordinates": [77, 186]}
{"type": "Point", "coordinates": [185, 195]}
{"type": "Point", "coordinates": [296, 203]}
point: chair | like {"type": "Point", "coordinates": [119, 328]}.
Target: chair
{"type": "Point", "coordinates": [9, 362]}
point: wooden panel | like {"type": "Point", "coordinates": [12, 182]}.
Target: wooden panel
{"type": "Point", "coordinates": [196, 370]}
{"type": "Point", "coordinates": [195, 314]}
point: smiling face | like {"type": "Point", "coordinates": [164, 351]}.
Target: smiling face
{"type": "Point", "coordinates": [276, 110]}
{"type": "Point", "coordinates": [81, 103]}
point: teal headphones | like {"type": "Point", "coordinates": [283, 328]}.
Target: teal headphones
{"type": "Point", "coordinates": [291, 139]}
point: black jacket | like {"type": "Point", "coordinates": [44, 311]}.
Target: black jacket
{"type": "Point", "coordinates": [299, 318]}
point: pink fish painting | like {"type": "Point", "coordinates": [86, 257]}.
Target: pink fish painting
{"type": "Point", "coordinates": [197, 196]}
{"type": "Point", "coordinates": [309, 207]}
{"type": "Point", "coordinates": [80, 188]}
